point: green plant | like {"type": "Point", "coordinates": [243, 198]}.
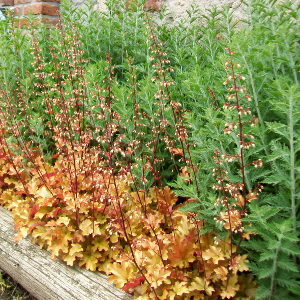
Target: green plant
{"type": "Point", "coordinates": [268, 51]}
{"type": "Point", "coordinates": [15, 52]}
{"type": "Point", "coordinates": [3, 285]}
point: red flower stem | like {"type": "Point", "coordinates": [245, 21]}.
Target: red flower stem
{"type": "Point", "coordinates": [227, 206]}
{"type": "Point", "coordinates": [182, 138]}
{"type": "Point", "coordinates": [24, 148]}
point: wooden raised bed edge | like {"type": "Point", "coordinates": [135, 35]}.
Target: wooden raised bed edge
{"type": "Point", "coordinates": [45, 278]}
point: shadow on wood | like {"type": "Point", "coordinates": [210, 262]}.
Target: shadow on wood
{"type": "Point", "coordinates": [46, 279]}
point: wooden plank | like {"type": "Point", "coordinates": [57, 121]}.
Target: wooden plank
{"type": "Point", "coordinates": [46, 279]}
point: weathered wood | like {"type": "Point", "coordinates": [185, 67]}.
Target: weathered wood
{"type": "Point", "coordinates": [46, 279]}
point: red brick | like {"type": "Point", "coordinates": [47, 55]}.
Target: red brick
{"type": "Point", "coordinates": [18, 10]}
{"type": "Point", "coordinates": [47, 0]}
{"type": "Point", "coordinates": [8, 2]}
{"type": "Point", "coordinates": [51, 22]}
{"type": "Point", "coordinates": [21, 1]}
{"type": "Point", "coordinates": [50, 10]}
{"type": "Point", "coordinates": [33, 8]}
{"type": "Point", "coordinates": [152, 5]}
{"type": "Point", "coordinates": [128, 3]}
{"type": "Point", "coordinates": [39, 8]}
{"type": "Point", "coordinates": [24, 22]}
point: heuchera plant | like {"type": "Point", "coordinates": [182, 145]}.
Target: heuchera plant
{"type": "Point", "coordinates": [90, 205]}
{"type": "Point", "coordinates": [158, 255]}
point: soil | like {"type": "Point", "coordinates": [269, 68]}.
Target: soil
{"type": "Point", "coordinates": [12, 290]}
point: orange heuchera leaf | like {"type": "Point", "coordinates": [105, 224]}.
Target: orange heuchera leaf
{"type": "Point", "coordinates": [240, 201]}
{"type": "Point", "coordinates": [34, 225]}
{"type": "Point", "coordinates": [21, 234]}
{"type": "Point", "coordinates": [149, 258]}
{"type": "Point", "coordinates": [142, 290]}
{"type": "Point", "coordinates": [43, 192]}
{"type": "Point", "coordinates": [86, 227]}
{"type": "Point", "coordinates": [181, 253]}
{"type": "Point", "coordinates": [184, 225]}
{"type": "Point", "coordinates": [33, 211]}
{"type": "Point", "coordinates": [33, 186]}
{"type": "Point", "coordinates": [153, 221]}
{"type": "Point", "coordinates": [9, 180]}
{"type": "Point", "coordinates": [230, 288]}
{"type": "Point", "coordinates": [17, 159]}
{"type": "Point", "coordinates": [132, 284]}
{"type": "Point", "coordinates": [122, 273]}
{"type": "Point", "coordinates": [235, 219]}
{"type": "Point", "coordinates": [200, 284]}
{"type": "Point", "coordinates": [100, 243]}
{"type": "Point", "coordinates": [238, 264]}
{"type": "Point", "coordinates": [42, 212]}
{"type": "Point", "coordinates": [221, 273]}
{"type": "Point", "coordinates": [179, 288]}
{"type": "Point", "coordinates": [246, 235]}
{"type": "Point", "coordinates": [90, 260]}
{"type": "Point", "coordinates": [63, 239]}
{"type": "Point", "coordinates": [113, 238]}
{"type": "Point", "coordinates": [251, 196]}
{"type": "Point", "coordinates": [177, 151]}
{"type": "Point", "coordinates": [157, 275]}
{"type": "Point", "coordinates": [163, 296]}
{"type": "Point", "coordinates": [10, 200]}
{"type": "Point", "coordinates": [51, 174]}
{"type": "Point", "coordinates": [56, 248]}
{"type": "Point", "coordinates": [39, 231]}
{"type": "Point", "coordinates": [63, 220]}
{"type": "Point", "coordinates": [185, 175]}
{"type": "Point", "coordinates": [75, 249]}
{"type": "Point", "coordinates": [197, 284]}
{"type": "Point", "coordinates": [167, 196]}
{"type": "Point", "coordinates": [213, 253]}
{"type": "Point", "coordinates": [78, 237]}
{"type": "Point", "coordinates": [54, 212]}
{"type": "Point", "coordinates": [69, 259]}
{"type": "Point", "coordinates": [141, 197]}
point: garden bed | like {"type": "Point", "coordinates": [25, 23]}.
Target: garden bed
{"type": "Point", "coordinates": [164, 157]}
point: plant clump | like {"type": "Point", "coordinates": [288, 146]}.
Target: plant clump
{"type": "Point", "coordinates": [133, 156]}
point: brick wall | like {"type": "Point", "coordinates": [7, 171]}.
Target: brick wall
{"type": "Point", "coordinates": [46, 9]}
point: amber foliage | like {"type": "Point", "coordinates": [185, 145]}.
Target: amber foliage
{"type": "Point", "coordinates": [147, 246]}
